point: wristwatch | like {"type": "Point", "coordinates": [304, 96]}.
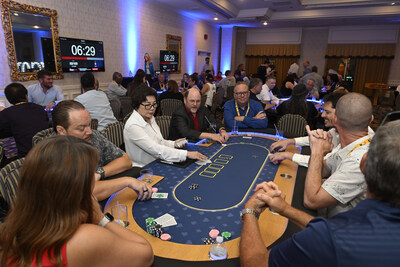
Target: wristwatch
{"type": "Point", "coordinates": [245, 211]}
{"type": "Point", "coordinates": [106, 219]}
{"type": "Point", "coordinates": [100, 171]}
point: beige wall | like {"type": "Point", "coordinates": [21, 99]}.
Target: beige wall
{"type": "Point", "coordinates": [105, 20]}
{"type": "Point", "coordinates": [313, 48]}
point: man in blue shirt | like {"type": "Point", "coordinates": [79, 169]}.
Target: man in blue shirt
{"type": "Point", "coordinates": [246, 112]}
{"type": "Point", "coordinates": [368, 235]}
{"type": "Point", "coordinates": [45, 93]}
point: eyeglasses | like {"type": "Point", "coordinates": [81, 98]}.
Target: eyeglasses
{"type": "Point", "coordinates": [241, 93]}
{"type": "Point", "coordinates": [149, 106]}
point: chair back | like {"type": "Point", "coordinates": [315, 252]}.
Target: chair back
{"type": "Point", "coordinates": [116, 107]}
{"type": "Point", "coordinates": [126, 118]}
{"type": "Point", "coordinates": [126, 105]}
{"type": "Point", "coordinates": [9, 177]}
{"type": "Point", "coordinates": [391, 116]}
{"type": "Point", "coordinates": [114, 132]}
{"type": "Point", "coordinates": [42, 135]}
{"type": "Point", "coordinates": [229, 92]}
{"type": "Point", "coordinates": [292, 125]}
{"type": "Point", "coordinates": [203, 100]}
{"type": "Point", "coordinates": [94, 123]}
{"type": "Point", "coordinates": [168, 106]}
{"type": "Point", "coordinates": [215, 105]}
{"type": "Point", "coordinates": [1, 152]}
{"type": "Point", "coordinates": [163, 122]}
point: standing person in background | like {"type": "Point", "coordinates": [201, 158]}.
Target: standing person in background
{"type": "Point", "coordinates": [115, 89]}
{"type": "Point", "coordinates": [208, 66]}
{"type": "Point", "coordinates": [148, 68]}
{"type": "Point", "coordinates": [264, 70]}
{"type": "Point", "coordinates": [306, 66]}
{"type": "Point", "coordinates": [294, 69]}
{"type": "Point", "coordinates": [45, 93]}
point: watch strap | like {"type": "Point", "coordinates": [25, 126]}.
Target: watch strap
{"type": "Point", "coordinates": [246, 211]}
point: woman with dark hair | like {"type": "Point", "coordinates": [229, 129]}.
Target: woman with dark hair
{"type": "Point", "coordinates": [140, 78]}
{"type": "Point", "coordinates": [56, 220]}
{"type": "Point", "coordinates": [143, 140]}
{"type": "Point", "coordinates": [172, 92]}
{"type": "Point", "coordinates": [288, 84]}
{"type": "Point", "coordinates": [297, 104]}
{"type": "Point", "coordinates": [209, 89]}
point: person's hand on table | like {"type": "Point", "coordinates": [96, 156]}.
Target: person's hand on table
{"type": "Point", "coordinates": [225, 135]}
{"type": "Point", "coordinates": [49, 106]}
{"type": "Point", "coordinates": [271, 196]}
{"type": "Point", "coordinates": [280, 156]}
{"type": "Point", "coordinates": [255, 204]}
{"type": "Point", "coordinates": [320, 141]}
{"type": "Point", "coordinates": [260, 115]}
{"type": "Point", "coordinates": [217, 138]}
{"type": "Point", "coordinates": [196, 155]}
{"type": "Point", "coordinates": [143, 190]}
{"type": "Point", "coordinates": [283, 144]}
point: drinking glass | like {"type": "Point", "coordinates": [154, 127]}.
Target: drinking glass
{"type": "Point", "coordinates": [120, 214]}
{"type": "Point", "coordinates": [146, 175]}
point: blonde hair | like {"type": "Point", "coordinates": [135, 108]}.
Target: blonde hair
{"type": "Point", "coordinates": [54, 198]}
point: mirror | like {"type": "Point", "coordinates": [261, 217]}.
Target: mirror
{"type": "Point", "coordinates": [31, 35]}
{"type": "Point", "coordinates": [174, 43]}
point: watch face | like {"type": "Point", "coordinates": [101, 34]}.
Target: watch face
{"type": "Point", "coordinates": [109, 216]}
{"type": "Point", "coordinates": [100, 170]}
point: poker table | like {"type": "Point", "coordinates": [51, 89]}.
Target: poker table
{"type": "Point", "coordinates": [223, 187]}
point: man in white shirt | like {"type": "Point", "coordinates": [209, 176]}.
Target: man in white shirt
{"type": "Point", "coordinates": [115, 89]}
{"type": "Point", "coordinates": [266, 96]}
{"type": "Point", "coordinates": [45, 93]}
{"type": "Point", "coordinates": [294, 68]}
{"type": "Point", "coordinates": [95, 101]}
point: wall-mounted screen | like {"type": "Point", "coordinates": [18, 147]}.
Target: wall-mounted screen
{"type": "Point", "coordinates": [80, 55]}
{"type": "Point", "coordinates": [168, 61]}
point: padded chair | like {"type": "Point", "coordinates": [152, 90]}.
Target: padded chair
{"type": "Point", "coordinates": [163, 122]}
{"type": "Point", "coordinates": [41, 135]}
{"type": "Point", "coordinates": [168, 106]}
{"type": "Point", "coordinates": [203, 100]}
{"type": "Point", "coordinates": [114, 132]}
{"type": "Point", "coordinates": [9, 177]}
{"type": "Point", "coordinates": [126, 105]}
{"type": "Point", "coordinates": [391, 116]}
{"type": "Point", "coordinates": [126, 118]}
{"type": "Point", "coordinates": [94, 124]}
{"type": "Point", "coordinates": [229, 92]}
{"type": "Point", "coordinates": [292, 125]}
{"type": "Point", "coordinates": [116, 108]}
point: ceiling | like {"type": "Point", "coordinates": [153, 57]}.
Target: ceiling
{"type": "Point", "coordinates": [289, 13]}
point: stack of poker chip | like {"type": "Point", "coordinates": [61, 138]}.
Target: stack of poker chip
{"type": "Point", "coordinates": [150, 225]}
{"type": "Point", "coordinates": [157, 231]}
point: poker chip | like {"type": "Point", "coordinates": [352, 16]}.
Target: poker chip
{"type": "Point", "coordinates": [165, 237]}
{"type": "Point", "coordinates": [157, 231]}
{"type": "Point", "coordinates": [213, 233]}
{"type": "Point", "coordinates": [208, 241]}
{"type": "Point", "coordinates": [154, 189]}
{"type": "Point", "coordinates": [226, 235]}
{"type": "Point", "coordinates": [193, 186]}
{"type": "Point", "coordinates": [197, 198]}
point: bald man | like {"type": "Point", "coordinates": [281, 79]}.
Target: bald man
{"type": "Point", "coordinates": [195, 122]}
{"type": "Point", "coordinates": [345, 186]}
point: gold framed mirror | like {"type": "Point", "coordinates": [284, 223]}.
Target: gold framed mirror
{"type": "Point", "coordinates": [174, 43]}
{"type": "Point", "coordinates": [31, 35]}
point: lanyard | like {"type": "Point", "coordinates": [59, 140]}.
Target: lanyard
{"type": "Point", "coordinates": [362, 143]}
{"type": "Point", "coordinates": [237, 109]}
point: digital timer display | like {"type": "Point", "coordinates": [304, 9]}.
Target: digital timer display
{"type": "Point", "coordinates": [81, 55]}
{"type": "Point", "coordinates": [168, 61]}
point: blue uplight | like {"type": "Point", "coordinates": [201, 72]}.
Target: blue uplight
{"type": "Point", "coordinates": [130, 27]}
{"type": "Point", "coordinates": [226, 48]}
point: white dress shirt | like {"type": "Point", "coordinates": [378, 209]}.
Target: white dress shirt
{"type": "Point", "coordinates": [267, 95]}
{"type": "Point", "coordinates": [144, 142]}
{"type": "Point", "coordinates": [37, 96]}
{"type": "Point", "coordinates": [98, 105]}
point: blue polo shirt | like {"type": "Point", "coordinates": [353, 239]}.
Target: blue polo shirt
{"type": "Point", "coordinates": [368, 235]}
{"type": "Point", "coordinates": [230, 113]}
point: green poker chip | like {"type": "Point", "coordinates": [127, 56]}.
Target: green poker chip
{"type": "Point", "coordinates": [226, 235]}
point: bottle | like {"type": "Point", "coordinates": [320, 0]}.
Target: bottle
{"type": "Point", "coordinates": [218, 250]}
{"type": "Point", "coordinates": [130, 74]}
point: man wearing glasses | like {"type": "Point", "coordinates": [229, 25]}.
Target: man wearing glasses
{"type": "Point", "coordinates": [243, 111]}
{"type": "Point", "coordinates": [192, 121]}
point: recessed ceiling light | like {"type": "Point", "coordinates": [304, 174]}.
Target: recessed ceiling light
{"type": "Point", "coordinates": [16, 14]}
{"type": "Point", "coordinates": [215, 18]}
{"type": "Point", "coordinates": [265, 23]}
{"type": "Point", "coordinates": [393, 4]}
{"type": "Point", "coordinates": [36, 27]}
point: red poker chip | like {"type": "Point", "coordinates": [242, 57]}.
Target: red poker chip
{"type": "Point", "coordinates": [154, 189]}
{"type": "Point", "coordinates": [214, 233]}
{"type": "Point", "coordinates": [165, 237]}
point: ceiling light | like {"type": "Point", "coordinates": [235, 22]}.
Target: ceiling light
{"type": "Point", "coordinates": [36, 27]}
{"type": "Point", "coordinates": [393, 4]}
{"type": "Point", "coordinates": [265, 23]}
{"type": "Point", "coordinates": [215, 18]}
{"type": "Point", "coordinates": [16, 14]}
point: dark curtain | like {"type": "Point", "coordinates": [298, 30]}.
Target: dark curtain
{"type": "Point", "coordinates": [370, 70]}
